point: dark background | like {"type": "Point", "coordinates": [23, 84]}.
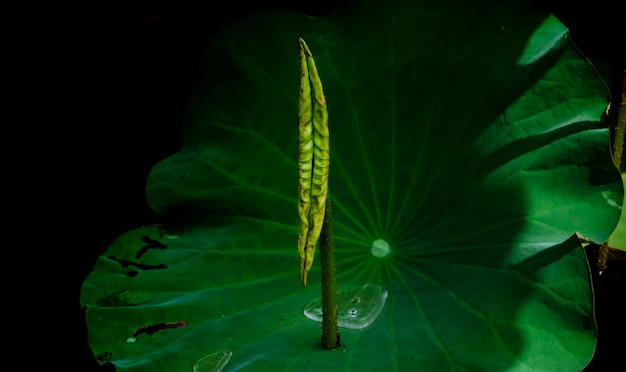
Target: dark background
{"type": "Point", "coordinates": [131, 73]}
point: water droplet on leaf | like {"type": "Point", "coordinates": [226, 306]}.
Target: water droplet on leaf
{"type": "Point", "coordinates": [213, 362]}
{"type": "Point", "coordinates": [611, 198]}
{"type": "Point", "coordinates": [358, 307]}
{"type": "Point", "coordinates": [380, 248]}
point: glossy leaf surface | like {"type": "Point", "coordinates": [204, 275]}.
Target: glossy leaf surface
{"type": "Point", "coordinates": [467, 151]}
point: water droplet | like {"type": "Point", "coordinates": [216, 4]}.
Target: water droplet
{"type": "Point", "coordinates": [611, 197]}
{"type": "Point", "coordinates": [214, 362]}
{"type": "Point", "coordinates": [130, 340]}
{"type": "Point", "coordinates": [380, 248]}
{"type": "Point", "coordinates": [358, 307]}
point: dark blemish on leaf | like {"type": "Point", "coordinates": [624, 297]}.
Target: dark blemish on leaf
{"type": "Point", "coordinates": [150, 244]}
{"type": "Point", "coordinates": [112, 300]}
{"type": "Point", "coordinates": [105, 356]}
{"type": "Point", "coordinates": [125, 298]}
{"type": "Point", "coordinates": [167, 231]}
{"type": "Point", "coordinates": [159, 326]}
{"type": "Point", "coordinates": [132, 273]}
{"type": "Point", "coordinates": [127, 263]}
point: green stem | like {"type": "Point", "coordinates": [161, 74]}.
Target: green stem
{"type": "Point", "coordinates": [603, 254]}
{"type": "Point", "coordinates": [619, 123]}
{"type": "Point", "coordinates": [617, 120]}
{"type": "Point", "coordinates": [330, 333]}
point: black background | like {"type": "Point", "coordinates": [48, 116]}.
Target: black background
{"type": "Point", "coordinates": [130, 73]}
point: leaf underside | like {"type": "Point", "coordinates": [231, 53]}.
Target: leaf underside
{"type": "Point", "coordinates": [466, 135]}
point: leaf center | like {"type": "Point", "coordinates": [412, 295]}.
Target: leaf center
{"type": "Point", "coordinates": [380, 248]}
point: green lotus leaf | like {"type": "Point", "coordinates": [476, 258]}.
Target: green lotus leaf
{"type": "Point", "coordinates": [467, 150]}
